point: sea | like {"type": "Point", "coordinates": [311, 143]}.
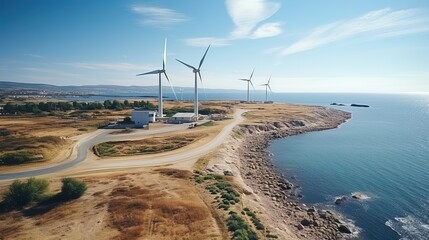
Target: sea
{"type": "Point", "coordinates": [382, 152]}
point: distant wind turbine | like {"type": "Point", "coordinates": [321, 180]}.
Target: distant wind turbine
{"type": "Point", "coordinates": [249, 81]}
{"type": "Point", "coordinates": [196, 72]}
{"type": "Point", "coordinates": [267, 85]}
{"type": "Point", "coordinates": [159, 72]}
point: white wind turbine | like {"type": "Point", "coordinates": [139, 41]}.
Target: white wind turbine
{"type": "Point", "coordinates": [196, 72]}
{"type": "Point", "coordinates": [159, 72]}
{"type": "Point", "coordinates": [267, 85]}
{"type": "Point", "coordinates": [249, 81]}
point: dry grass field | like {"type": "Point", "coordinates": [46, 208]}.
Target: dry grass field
{"type": "Point", "coordinates": [147, 146]}
{"type": "Point", "coordinates": [146, 204]}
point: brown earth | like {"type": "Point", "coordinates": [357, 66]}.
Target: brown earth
{"type": "Point", "coordinates": [143, 204]}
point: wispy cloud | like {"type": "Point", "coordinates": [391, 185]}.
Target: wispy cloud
{"type": "Point", "coordinates": [267, 30]}
{"type": "Point", "coordinates": [247, 16]}
{"type": "Point", "coordinates": [204, 41]}
{"type": "Point", "coordinates": [158, 16]}
{"type": "Point", "coordinates": [50, 71]}
{"type": "Point", "coordinates": [35, 55]}
{"type": "Point", "coordinates": [115, 66]}
{"type": "Point", "coordinates": [376, 24]}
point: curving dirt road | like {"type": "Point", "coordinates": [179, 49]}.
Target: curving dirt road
{"type": "Point", "coordinates": [81, 148]}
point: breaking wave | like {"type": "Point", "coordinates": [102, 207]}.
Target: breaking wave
{"type": "Point", "coordinates": [409, 228]}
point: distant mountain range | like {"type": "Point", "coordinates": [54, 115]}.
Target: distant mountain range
{"type": "Point", "coordinates": [103, 89]}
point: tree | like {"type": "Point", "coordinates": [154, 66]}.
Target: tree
{"type": "Point", "coordinates": [107, 104]}
{"type": "Point", "coordinates": [116, 105]}
{"type": "Point", "coordinates": [126, 103]}
{"type": "Point", "coordinates": [20, 193]}
{"type": "Point", "coordinates": [72, 189]}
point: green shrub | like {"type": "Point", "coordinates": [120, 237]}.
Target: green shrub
{"type": "Point", "coordinates": [21, 194]}
{"type": "Point", "coordinates": [199, 180]}
{"type": "Point", "coordinates": [72, 189]}
{"type": "Point", "coordinates": [14, 158]}
{"type": "Point", "coordinates": [271, 236]}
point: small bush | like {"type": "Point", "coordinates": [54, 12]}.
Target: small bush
{"type": "Point", "coordinates": [14, 158]}
{"type": "Point", "coordinates": [21, 194]}
{"type": "Point", "coordinates": [199, 180]}
{"type": "Point", "coordinates": [72, 189]}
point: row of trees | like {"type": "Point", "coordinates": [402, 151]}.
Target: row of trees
{"type": "Point", "coordinates": [12, 108]}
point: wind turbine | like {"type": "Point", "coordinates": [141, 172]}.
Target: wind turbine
{"type": "Point", "coordinates": [196, 72]}
{"type": "Point", "coordinates": [249, 81]}
{"type": "Point", "coordinates": [267, 85]}
{"type": "Point", "coordinates": [159, 72]}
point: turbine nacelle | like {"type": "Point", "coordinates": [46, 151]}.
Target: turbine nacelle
{"type": "Point", "coordinates": [197, 73]}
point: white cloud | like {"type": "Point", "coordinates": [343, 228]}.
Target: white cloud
{"type": "Point", "coordinates": [246, 16]}
{"type": "Point", "coordinates": [158, 16]}
{"type": "Point", "coordinates": [205, 41]}
{"type": "Point", "coordinates": [376, 24]}
{"type": "Point", "coordinates": [35, 55]}
{"type": "Point", "coordinates": [115, 66]}
{"type": "Point", "coordinates": [50, 71]}
{"type": "Point", "coordinates": [267, 30]}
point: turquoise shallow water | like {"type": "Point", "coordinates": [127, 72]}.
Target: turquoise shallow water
{"type": "Point", "coordinates": [383, 152]}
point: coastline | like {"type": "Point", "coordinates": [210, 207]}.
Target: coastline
{"type": "Point", "coordinates": [245, 156]}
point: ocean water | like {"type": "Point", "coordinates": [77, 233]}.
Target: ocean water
{"type": "Point", "coordinates": [382, 152]}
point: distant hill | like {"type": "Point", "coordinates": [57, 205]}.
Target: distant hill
{"type": "Point", "coordinates": [103, 89]}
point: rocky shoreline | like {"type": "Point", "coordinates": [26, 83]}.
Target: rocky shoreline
{"type": "Point", "coordinates": [250, 161]}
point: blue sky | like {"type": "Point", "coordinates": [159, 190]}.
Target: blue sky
{"type": "Point", "coordinates": [307, 45]}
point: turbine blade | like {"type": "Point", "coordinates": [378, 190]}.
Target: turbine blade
{"type": "Point", "coordinates": [251, 75]}
{"type": "Point", "coordinates": [202, 85]}
{"type": "Point", "coordinates": [147, 73]}
{"type": "Point", "coordinates": [269, 80]}
{"type": "Point", "coordinates": [270, 88]}
{"type": "Point", "coordinates": [189, 66]}
{"type": "Point", "coordinates": [252, 85]}
{"type": "Point", "coordinates": [164, 61]}
{"type": "Point", "coordinates": [171, 85]}
{"type": "Point", "coordinates": [243, 79]}
{"type": "Point", "coordinates": [202, 59]}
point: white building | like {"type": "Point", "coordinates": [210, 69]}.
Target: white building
{"type": "Point", "coordinates": [142, 117]}
{"type": "Point", "coordinates": [183, 118]}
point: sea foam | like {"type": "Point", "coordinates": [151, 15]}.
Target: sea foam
{"type": "Point", "coordinates": [409, 228]}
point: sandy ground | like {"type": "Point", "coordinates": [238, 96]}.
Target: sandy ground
{"type": "Point", "coordinates": [140, 204]}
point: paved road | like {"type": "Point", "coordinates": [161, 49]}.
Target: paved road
{"type": "Point", "coordinates": [100, 136]}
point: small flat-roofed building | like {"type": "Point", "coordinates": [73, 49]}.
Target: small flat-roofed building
{"type": "Point", "coordinates": [179, 118]}
{"type": "Point", "coordinates": [142, 117]}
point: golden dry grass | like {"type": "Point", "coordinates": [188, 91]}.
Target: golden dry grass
{"type": "Point", "coordinates": [148, 145]}
{"type": "Point", "coordinates": [146, 204]}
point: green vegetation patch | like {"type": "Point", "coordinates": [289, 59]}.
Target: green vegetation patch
{"type": "Point", "coordinates": [240, 229]}
{"type": "Point", "coordinates": [105, 149]}
{"type": "Point", "coordinates": [33, 191]}
{"type": "Point", "coordinates": [225, 196]}
{"type": "Point", "coordinates": [72, 189]}
{"type": "Point", "coordinates": [22, 193]}
{"type": "Point", "coordinates": [15, 158]}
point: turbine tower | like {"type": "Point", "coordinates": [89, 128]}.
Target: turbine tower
{"type": "Point", "coordinates": [159, 72]}
{"type": "Point", "coordinates": [196, 72]}
{"type": "Point", "coordinates": [267, 85]}
{"type": "Point", "coordinates": [249, 81]}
